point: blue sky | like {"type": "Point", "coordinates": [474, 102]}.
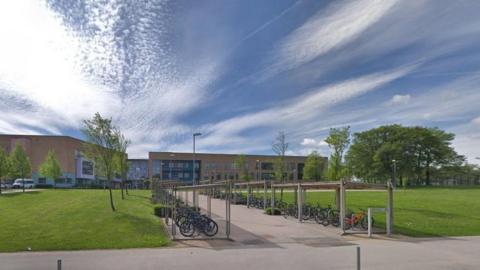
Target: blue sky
{"type": "Point", "coordinates": [240, 71]}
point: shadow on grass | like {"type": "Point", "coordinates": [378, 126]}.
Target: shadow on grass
{"type": "Point", "coordinates": [142, 225]}
{"type": "Point", "coordinates": [139, 196]}
{"type": "Point", "coordinates": [13, 194]}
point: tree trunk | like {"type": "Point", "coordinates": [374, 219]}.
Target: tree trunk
{"type": "Point", "coordinates": [23, 186]}
{"type": "Point", "coordinates": [427, 180]}
{"type": "Point", "coordinates": [126, 189]}
{"type": "Point", "coordinates": [111, 196]}
{"type": "Point", "coordinates": [122, 184]}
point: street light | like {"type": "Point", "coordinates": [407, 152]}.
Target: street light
{"type": "Point", "coordinates": [394, 180]}
{"type": "Point", "coordinates": [170, 165]}
{"type": "Point", "coordinates": [195, 199]}
{"type": "Point", "coordinates": [256, 165]}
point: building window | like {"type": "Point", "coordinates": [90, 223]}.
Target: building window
{"type": "Point", "coordinates": [87, 167]}
{"type": "Point", "coordinates": [267, 166]}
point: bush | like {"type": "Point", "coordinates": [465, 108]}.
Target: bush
{"type": "Point", "coordinates": [43, 186]}
{"type": "Point", "coordinates": [162, 211]}
{"type": "Point", "coordinates": [276, 211]}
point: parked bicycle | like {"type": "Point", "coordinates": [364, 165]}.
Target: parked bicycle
{"type": "Point", "coordinates": [190, 222]}
{"type": "Point", "coordinates": [355, 219]}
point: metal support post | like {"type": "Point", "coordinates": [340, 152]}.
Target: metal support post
{"type": "Point", "coordinates": [248, 195]}
{"type": "Point", "coordinates": [265, 195]}
{"type": "Point", "coordinates": [342, 206]}
{"type": "Point", "coordinates": [358, 258]}
{"type": "Point", "coordinates": [389, 210]}
{"type": "Point", "coordinates": [209, 202]}
{"type": "Point", "coordinates": [59, 264]}
{"type": "Point", "coordinates": [369, 222]}
{"type": "Point", "coordinates": [174, 204]}
{"type": "Point", "coordinates": [227, 208]}
{"type": "Point", "coordinates": [272, 201]}
{"type": "Point", "coordinates": [337, 198]}
{"type": "Point", "coordinates": [300, 202]}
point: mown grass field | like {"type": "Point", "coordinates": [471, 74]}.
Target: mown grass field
{"type": "Point", "coordinates": [417, 212]}
{"type": "Point", "coordinates": [78, 219]}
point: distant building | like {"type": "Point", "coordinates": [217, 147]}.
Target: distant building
{"type": "Point", "coordinates": [137, 172]}
{"type": "Point", "coordinates": [179, 166]}
{"type": "Point", "coordinates": [76, 169]}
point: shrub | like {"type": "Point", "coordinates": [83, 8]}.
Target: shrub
{"type": "Point", "coordinates": [276, 211]}
{"type": "Point", "coordinates": [43, 186]}
{"type": "Point", "coordinates": [162, 211]}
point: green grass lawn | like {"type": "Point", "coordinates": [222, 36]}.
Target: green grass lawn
{"type": "Point", "coordinates": [78, 219]}
{"type": "Point", "coordinates": [417, 212]}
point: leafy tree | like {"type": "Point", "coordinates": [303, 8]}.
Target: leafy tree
{"type": "Point", "coordinates": [121, 159]}
{"type": "Point", "coordinates": [4, 166]}
{"type": "Point", "coordinates": [102, 147]}
{"type": "Point", "coordinates": [314, 165]}
{"type": "Point", "coordinates": [50, 168]}
{"type": "Point", "coordinates": [242, 166]}
{"type": "Point", "coordinates": [338, 141]}
{"type": "Point", "coordinates": [415, 149]}
{"type": "Point", "coordinates": [280, 146]}
{"type": "Point", "coordinates": [20, 166]}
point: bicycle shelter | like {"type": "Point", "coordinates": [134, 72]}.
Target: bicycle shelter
{"type": "Point", "coordinates": [249, 185]}
{"type": "Point", "coordinates": [340, 197]}
{"type": "Point", "coordinates": [170, 192]}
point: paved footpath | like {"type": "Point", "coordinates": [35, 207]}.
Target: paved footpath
{"type": "Point", "coordinates": [266, 242]}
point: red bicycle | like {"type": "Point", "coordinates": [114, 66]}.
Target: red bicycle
{"type": "Point", "coordinates": [355, 219]}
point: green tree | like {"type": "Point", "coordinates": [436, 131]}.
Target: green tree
{"type": "Point", "coordinates": [4, 166]}
{"type": "Point", "coordinates": [20, 166]}
{"type": "Point", "coordinates": [101, 146]}
{"type": "Point", "coordinates": [242, 166]}
{"type": "Point", "coordinates": [314, 166]}
{"type": "Point", "coordinates": [338, 141]}
{"type": "Point", "coordinates": [121, 159]}
{"type": "Point", "coordinates": [415, 149]}
{"type": "Point", "coordinates": [280, 146]}
{"type": "Point", "coordinates": [50, 168]}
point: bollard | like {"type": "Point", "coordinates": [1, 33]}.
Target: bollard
{"type": "Point", "coordinates": [358, 258]}
{"type": "Point", "coordinates": [59, 264]}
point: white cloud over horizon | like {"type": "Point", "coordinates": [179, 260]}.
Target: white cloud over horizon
{"type": "Point", "coordinates": [163, 71]}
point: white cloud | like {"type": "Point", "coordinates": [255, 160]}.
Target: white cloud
{"type": "Point", "coordinates": [329, 29]}
{"type": "Point", "coordinates": [476, 121]}
{"type": "Point", "coordinates": [400, 100]}
{"type": "Point", "coordinates": [53, 76]}
{"type": "Point", "coordinates": [299, 112]}
{"type": "Point", "coordinates": [312, 143]}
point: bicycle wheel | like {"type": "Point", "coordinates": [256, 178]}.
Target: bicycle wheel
{"type": "Point", "coordinates": [187, 229]}
{"type": "Point", "coordinates": [335, 220]}
{"type": "Point", "coordinates": [211, 228]}
{"type": "Point", "coordinates": [320, 217]}
{"type": "Point", "coordinates": [364, 223]}
{"type": "Point", "coordinates": [347, 224]}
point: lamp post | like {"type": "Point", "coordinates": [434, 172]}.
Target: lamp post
{"type": "Point", "coordinates": [256, 165]}
{"type": "Point", "coordinates": [195, 199]}
{"type": "Point", "coordinates": [170, 165]}
{"type": "Point", "coordinates": [394, 179]}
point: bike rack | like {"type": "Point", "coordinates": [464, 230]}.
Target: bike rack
{"type": "Point", "coordinates": [227, 186]}
{"type": "Point", "coordinates": [257, 184]}
{"type": "Point", "coordinates": [340, 188]}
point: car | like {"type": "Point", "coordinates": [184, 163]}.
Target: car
{"type": "Point", "coordinates": [19, 183]}
{"type": "Point", "coordinates": [6, 185]}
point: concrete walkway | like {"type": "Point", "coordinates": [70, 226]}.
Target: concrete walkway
{"type": "Point", "coordinates": [266, 242]}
